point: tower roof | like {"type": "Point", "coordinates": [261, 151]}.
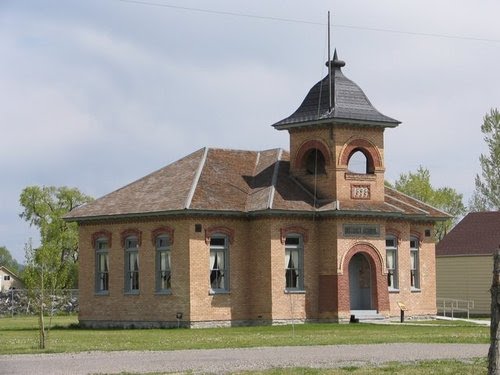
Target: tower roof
{"type": "Point", "coordinates": [349, 104]}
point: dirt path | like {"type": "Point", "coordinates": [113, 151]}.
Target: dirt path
{"type": "Point", "coordinates": [219, 361]}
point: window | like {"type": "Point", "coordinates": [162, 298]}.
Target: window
{"type": "Point", "coordinates": [6, 277]}
{"type": "Point", "coordinates": [315, 162]}
{"type": "Point", "coordinates": [414, 263]}
{"type": "Point", "coordinates": [391, 249]}
{"type": "Point", "coordinates": [163, 272]}
{"type": "Point", "coordinates": [131, 265]}
{"type": "Point", "coordinates": [294, 259]}
{"type": "Point", "coordinates": [102, 265]}
{"type": "Point", "coordinates": [358, 163]}
{"type": "Point", "coordinates": [219, 264]}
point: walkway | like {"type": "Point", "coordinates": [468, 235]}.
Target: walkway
{"type": "Point", "coordinates": [221, 361]}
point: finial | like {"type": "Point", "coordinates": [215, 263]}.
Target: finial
{"type": "Point", "coordinates": [336, 63]}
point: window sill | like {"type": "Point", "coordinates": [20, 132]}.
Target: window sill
{"type": "Point", "coordinates": [294, 291]}
{"type": "Point", "coordinates": [415, 290]}
{"type": "Point", "coordinates": [217, 292]}
{"type": "Point", "coordinates": [131, 293]}
{"type": "Point", "coordinates": [163, 293]}
{"type": "Point", "coordinates": [101, 294]}
{"type": "Point", "coordinates": [393, 290]}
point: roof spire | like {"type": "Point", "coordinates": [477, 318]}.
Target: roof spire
{"type": "Point", "coordinates": [330, 104]}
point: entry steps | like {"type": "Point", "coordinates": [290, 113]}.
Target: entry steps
{"type": "Point", "coordinates": [365, 315]}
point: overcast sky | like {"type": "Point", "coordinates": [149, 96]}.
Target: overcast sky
{"type": "Point", "coordinates": [95, 94]}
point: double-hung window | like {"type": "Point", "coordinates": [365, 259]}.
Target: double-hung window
{"type": "Point", "coordinates": [219, 264]}
{"type": "Point", "coordinates": [391, 250]}
{"type": "Point", "coordinates": [294, 263]}
{"type": "Point", "coordinates": [131, 265]}
{"type": "Point", "coordinates": [163, 270]}
{"type": "Point", "coordinates": [414, 263]}
{"type": "Point", "coordinates": [102, 266]}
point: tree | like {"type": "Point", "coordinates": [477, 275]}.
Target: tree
{"type": "Point", "coordinates": [45, 207]}
{"type": "Point", "coordinates": [418, 185]}
{"type": "Point", "coordinates": [486, 197]}
{"type": "Point", "coordinates": [8, 261]}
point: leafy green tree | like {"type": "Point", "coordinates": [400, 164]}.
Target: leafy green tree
{"type": "Point", "coordinates": [8, 261]}
{"type": "Point", "coordinates": [45, 207]}
{"type": "Point", "coordinates": [486, 197]}
{"type": "Point", "coordinates": [418, 185]}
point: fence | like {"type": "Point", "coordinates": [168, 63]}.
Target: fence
{"type": "Point", "coordinates": [450, 306]}
{"type": "Point", "coordinates": [18, 302]}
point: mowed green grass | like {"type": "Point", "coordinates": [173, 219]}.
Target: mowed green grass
{"type": "Point", "coordinates": [20, 335]}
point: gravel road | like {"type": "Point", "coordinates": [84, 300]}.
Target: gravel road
{"type": "Point", "coordinates": [221, 361]}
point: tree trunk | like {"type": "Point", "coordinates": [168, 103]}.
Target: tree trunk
{"type": "Point", "coordinates": [494, 352]}
{"type": "Point", "coordinates": [41, 328]}
{"type": "Point", "coordinates": [41, 322]}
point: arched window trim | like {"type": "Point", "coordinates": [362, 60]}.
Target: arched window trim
{"type": "Point", "coordinates": [101, 234]}
{"type": "Point", "coordinates": [165, 230]}
{"type": "Point", "coordinates": [131, 232]}
{"type": "Point", "coordinates": [371, 152]}
{"type": "Point", "coordinates": [209, 232]}
{"type": "Point", "coordinates": [306, 147]}
{"type": "Point", "coordinates": [293, 229]}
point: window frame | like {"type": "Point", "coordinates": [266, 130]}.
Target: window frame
{"type": "Point", "coordinates": [415, 264]}
{"type": "Point", "coordinates": [166, 250]}
{"type": "Point", "coordinates": [298, 249]}
{"type": "Point", "coordinates": [392, 271]}
{"type": "Point", "coordinates": [102, 275]}
{"type": "Point", "coordinates": [131, 276]}
{"type": "Point", "coordinates": [221, 273]}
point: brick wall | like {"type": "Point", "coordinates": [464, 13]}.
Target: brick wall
{"type": "Point", "coordinates": [257, 277]}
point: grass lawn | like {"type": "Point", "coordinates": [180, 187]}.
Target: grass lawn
{"type": "Point", "coordinates": [20, 335]}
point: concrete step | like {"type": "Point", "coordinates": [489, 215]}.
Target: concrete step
{"type": "Point", "coordinates": [363, 315]}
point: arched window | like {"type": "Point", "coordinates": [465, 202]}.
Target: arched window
{"type": "Point", "coordinates": [102, 265]}
{"type": "Point", "coordinates": [315, 162]}
{"type": "Point", "coordinates": [360, 163]}
{"type": "Point", "coordinates": [414, 263]}
{"type": "Point", "coordinates": [294, 262]}
{"type": "Point", "coordinates": [131, 244]}
{"type": "Point", "coordinates": [219, 263]}
{"type": "Point", "coordinates": [163, 264]}
{"type": "Point", "coordinates": [391, 249]}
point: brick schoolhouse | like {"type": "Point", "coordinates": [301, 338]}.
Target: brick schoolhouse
{"type": "Point", "coordinates": [231, 237]}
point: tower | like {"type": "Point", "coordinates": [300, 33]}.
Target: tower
{"type": "Point", "coordinates": [328, 135]}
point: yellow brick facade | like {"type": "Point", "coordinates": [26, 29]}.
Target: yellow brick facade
{"type": "Point", "coordinates": [257, 292]}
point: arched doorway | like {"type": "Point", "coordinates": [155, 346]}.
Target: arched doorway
{"type": "Point", "coordinates": [360, 283]}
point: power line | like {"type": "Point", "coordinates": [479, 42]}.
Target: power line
{"type": "Point", "coordinates": [291, 20]}
{"type": "Point", "coordinates": [219, 12]}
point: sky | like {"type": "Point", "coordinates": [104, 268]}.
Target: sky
{"type": "Point", "coordinates": [95, 94]}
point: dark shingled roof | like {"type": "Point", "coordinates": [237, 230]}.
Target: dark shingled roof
{"type": "Point", "coordinates": [241, 182]}
{"type": "Point", "coordinates": [349, 104]}
{"type": "Point", "coordinates": [478, 233]}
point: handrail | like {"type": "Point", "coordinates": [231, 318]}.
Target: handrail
{"type": "Point", "coordinates": [452, 305]}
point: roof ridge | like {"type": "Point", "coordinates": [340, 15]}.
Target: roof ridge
{"type": "Point", "coordinates": [196, 178]}
{"type": "Point", "coordinates": [274, 179]}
